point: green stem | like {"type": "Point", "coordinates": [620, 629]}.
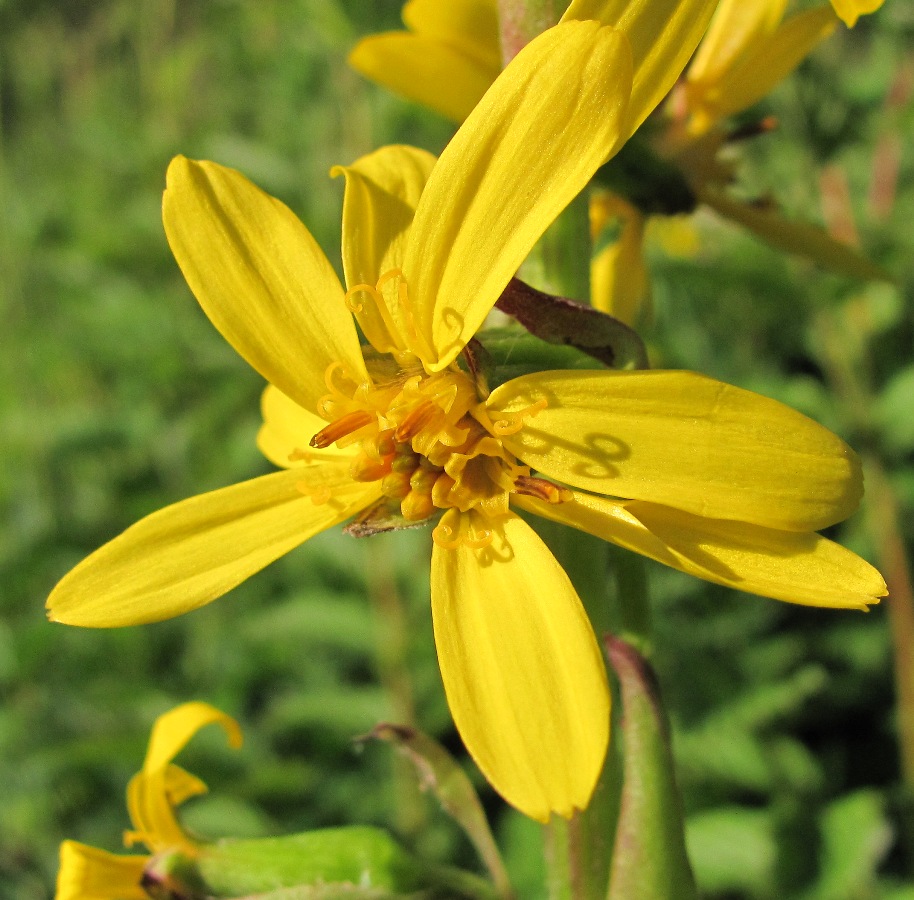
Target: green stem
{"type": "Point", "coordinates": [522, 20]}
{"type": "Point", "coordinates": [392, 632]}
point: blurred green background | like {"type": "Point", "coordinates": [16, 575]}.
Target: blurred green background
{"type": "Point", "coordinates": [117, 397]}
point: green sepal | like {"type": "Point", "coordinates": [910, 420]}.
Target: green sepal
{"type": "Point", "coordinates": [355, 861]}
{"type": "Point", "coordinates": [649, 860]}
{"type": "Point", "coordinates": [652, 184]}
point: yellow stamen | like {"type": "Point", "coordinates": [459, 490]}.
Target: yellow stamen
{"type": "Point", "coordinates": [341, 427]}
{"type": "Point", "coordinates": [542, 489]}
{"type": "Point", "coordinates": [417, 419]}
{"type": "Point", "coordinates": [511, 423]}
{"type": "Point", "coordinates": [299, 455]}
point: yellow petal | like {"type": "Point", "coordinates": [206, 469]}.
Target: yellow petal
{"type": "Point", "coordinates": [765, 64]}
{"type": "Point", "coordinates": [800, 238]}
{"type": "Point", "coordinates": [851, 10]}
{"type": "Point", "coordinates": [798, 567]}
{"type": "Point", "coordinates": [619, 280]}
{"type": "Point", "coordinates": [173, 731]}
{"type": "Point", "coordinates": [260, 277]}
{"type": "Point", "coordinates": [152, 793]}
{"type": "Point", "coordinates": [188, 554]}
{"type": "Point", "coordinates": [470, 26]}
{"type": "Point", "coordinates": [287, 429]}
{"type": "Point", "coordinates": [382, 192]}
{"type": "Point", "coordinates": [90, 874]}
{"type": "Point", "coordinates": [737, 25]}
{"type": "Point", "coordinates": [686, 441]}
{"type": "Point", "coordinates": [663, 35]}
{"type": "Point", "coordinates": [424, 69]}
{"type": "Point", "coordinates": [530, 146]}
{"type": "Point", "coordinates": [524, 677]}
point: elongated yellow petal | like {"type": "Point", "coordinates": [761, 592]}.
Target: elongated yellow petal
{"type": "Point", "coordinates": [424, 69]}
{"type": "Point", "coordinates": [287, 429]}
{"type": "Point", "coordinates": [766, 63]}
{"type": "Point", "coordinates": [686, 441]}
{"type": "Point", "coordinates": [663, 35]}
{"type": "Point", "coordinates": [523, 674]}
{"type": "Point", "coordinates": [800, 238]}
{"type": "Point", "coordinates": [619, 280]}
{"type": "Point", "coordinates": [530, 146]}
{"type": "Point", "coordinates": [382, 192]}
{"type": "Point", "coordinates": [470, 26]}
{"type": "Point", "coordinates": [90, 874]}
{"type": "Point", "coordinates": [851, 10]}
{"type": "Point", "coordinates": [737, 25]}
{"type": "Point", "coordinates": [188, 554]}
{"type": "Point", "coordinates": [798, 567]}
{"type": "Point", "coordinates": [260, 277]}
{"type": "Point", "coordinates": [173, 731]}
{"type": "Point", "coordinates": [154, 792]}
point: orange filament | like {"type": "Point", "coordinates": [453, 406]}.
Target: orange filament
{"type": "Point", "coordinates": [341, 427]}
{"type": "Point", "coordinates": [417, 419]}
{"type": "Point", "coordinates": [542, 489]}
{"type": "Point", "coordinates": [511, 423]}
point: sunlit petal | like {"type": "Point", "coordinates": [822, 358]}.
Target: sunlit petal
{"type": "Point", "coordinates": [529, 147]}
{"type": "Point", "coordinates": [798, 567]}
{"type": "Point", "coordinates": [686, 441]}
{"type": "Point", "coordinates": [382, 192]}
{"type": "Point", "coordinates": [188, 554]}
{"type": "Point", "coordinates": [287, 429]}
{"type": "Point", "coordinates": [260, 277]}
{"type": "Point", "coordinates": [90, 874]}
{"type": "Point", "coordinates": [523, 674]}
{"type": "Point", "coordinates": [663, 35]}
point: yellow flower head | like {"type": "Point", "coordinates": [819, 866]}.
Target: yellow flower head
{"type": "Point", "coordinates": [714, 480]}
{"type": "Point", "coordinates": [87, 873]}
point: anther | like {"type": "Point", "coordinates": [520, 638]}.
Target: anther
{"type": "Point", "coordinates": [364, 468]}
{"type": "Point", "coordinates": [340, 428]}
{"type": "Point", "coordinates": [299, 455]}
{"type": "Point", "coordinates": [542, 489]}
{"type": "Point", "coordinates": [511, 423]}
{"type": "Point", "coordinates": [417, 419]}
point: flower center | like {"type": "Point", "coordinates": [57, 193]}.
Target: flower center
{"type": "Point", "coordinates": [428, 439]}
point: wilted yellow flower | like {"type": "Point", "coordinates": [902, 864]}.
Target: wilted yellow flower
{"type": "Point", "coordinates": [87, 873]}
{"type": "Point", "coordinates": [717, 481]}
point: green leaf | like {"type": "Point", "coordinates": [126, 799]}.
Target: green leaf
{"type": "Point", "coordinates": [440, 773]}
{"type": "Point", "coordinates": [649, 858]}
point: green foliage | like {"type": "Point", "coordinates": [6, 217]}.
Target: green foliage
{"type": "Point", "coordinates": [117, 397]}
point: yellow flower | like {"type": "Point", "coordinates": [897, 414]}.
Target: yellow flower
{"type": "Point", "coordinates": [449, 56]}
{"type": "Point", "coordinates": [87, 873]}
{"type": "Point", "coordinates": [715, 481]}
